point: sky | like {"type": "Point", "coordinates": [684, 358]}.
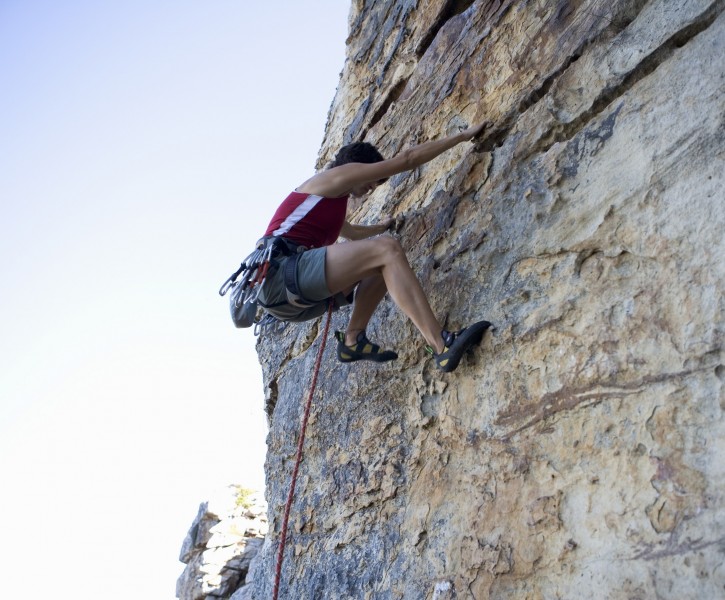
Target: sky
{"type": "Point", "coordinates": [144, 146]}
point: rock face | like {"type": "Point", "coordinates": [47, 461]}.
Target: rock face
{"type": "Point", "coordinates": [226, 534]}
{"type": "Point", "coordinates": [579, 451]}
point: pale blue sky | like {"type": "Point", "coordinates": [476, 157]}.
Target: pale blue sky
{"type": "Point", "coordinates": [143, 148]}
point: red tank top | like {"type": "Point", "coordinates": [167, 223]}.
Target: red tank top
{"type": "Point", "coordinates": [313, 221]}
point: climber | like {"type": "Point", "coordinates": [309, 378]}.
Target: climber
{"type": "Point", "coordinates": [311, 269]}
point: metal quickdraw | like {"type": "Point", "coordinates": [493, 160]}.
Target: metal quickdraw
{"type": "Point", "coordinates": [253, 271]}
{"type": "Point", "coordinates": [251, 292]}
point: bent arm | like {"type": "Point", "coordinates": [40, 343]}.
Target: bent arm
{"type": "Point", "coordinates": [361, 232]}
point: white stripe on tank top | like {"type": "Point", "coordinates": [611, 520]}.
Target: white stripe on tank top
{"type": "Point", "coordinates": [297, 214]}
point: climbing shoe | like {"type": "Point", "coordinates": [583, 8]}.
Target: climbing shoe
{"type": "Point", "coordinates": [363, 349]}
{"type": "Point", "coordinates": [456, 343]}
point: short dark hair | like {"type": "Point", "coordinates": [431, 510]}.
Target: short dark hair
{"type": "Point", "coordinates": [362, 152]}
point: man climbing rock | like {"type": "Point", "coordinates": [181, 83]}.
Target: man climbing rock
{"type": "Point", "coordinates": [313, 270]}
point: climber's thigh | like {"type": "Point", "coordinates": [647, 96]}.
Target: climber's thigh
{"type": "Point", "coordinates": [349, 262]}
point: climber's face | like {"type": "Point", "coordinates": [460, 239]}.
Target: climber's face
{"type": "Point", "coordinates": [364, 188]}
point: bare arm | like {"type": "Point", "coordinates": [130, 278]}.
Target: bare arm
{"type": "Point", "coordinates": [340, 180]}
{"type": "Point", "coordinates": [361, 232]}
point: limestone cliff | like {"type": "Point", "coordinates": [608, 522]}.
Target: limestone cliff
{"type": "Point", "coordinates": [579, 452]}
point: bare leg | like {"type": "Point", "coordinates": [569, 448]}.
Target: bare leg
{"type": "Point", "coordinates": [367, 297]}
{"type": "Point", "coordinates": [350, 262]}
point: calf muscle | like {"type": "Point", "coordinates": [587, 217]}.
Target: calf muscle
{"type": "Point", "coordinates": [350, 262]}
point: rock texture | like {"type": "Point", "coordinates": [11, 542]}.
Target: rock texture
{"type": "Point", "coordinates": [579, 452]}
{"type": "Point", "coordinates": [226, 534]}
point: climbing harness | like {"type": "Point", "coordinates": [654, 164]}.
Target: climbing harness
{"type": "Point", "coordinates": [298, 459]}
{"type": "Point", "coordinates": [245, 284]}
{"type": "Point", "coordinates": [292, 287]}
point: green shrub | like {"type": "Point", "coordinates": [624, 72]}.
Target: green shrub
{"type": "Point", "coordinates": [244, 497]}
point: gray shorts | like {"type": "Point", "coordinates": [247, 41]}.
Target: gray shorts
{"type": "Point", "coordinates": [312, 284]}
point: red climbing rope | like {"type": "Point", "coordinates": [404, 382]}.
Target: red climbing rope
{"type": "Point", "coordinates": [300, 443]}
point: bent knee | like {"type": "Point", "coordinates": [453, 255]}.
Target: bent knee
{"type": "Point", "coordinates": [390, 247]}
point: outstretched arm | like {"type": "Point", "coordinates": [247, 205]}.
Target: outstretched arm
{"type": "Point", "coordinates": [423, 153]}
{"type": "Point", "coordinates": [340, 180]}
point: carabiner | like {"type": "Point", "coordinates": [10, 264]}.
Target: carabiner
{"type": "Point", "coordinates": [226, 285]}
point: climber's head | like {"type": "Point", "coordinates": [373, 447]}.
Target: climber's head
{"type": "Point", "coordinates": [359, 152]}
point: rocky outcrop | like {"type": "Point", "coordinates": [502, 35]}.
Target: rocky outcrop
{"type": "Point", "coordinates": [579, 451]}
{"type": "Point", "coordinates": [224, 537]}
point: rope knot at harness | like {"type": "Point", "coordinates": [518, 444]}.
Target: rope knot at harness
{"type": "Point", "coordinates": [298, 458]}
